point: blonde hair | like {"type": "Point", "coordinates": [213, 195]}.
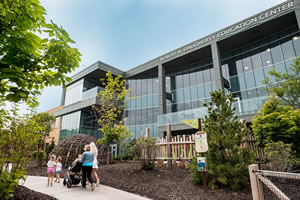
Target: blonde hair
{"type": "Point", "coordinates": [94, 149]}
{"type": "Point", "coordinates": [52, 157]}
{"type": "Point", "coordinates": [87, 147]}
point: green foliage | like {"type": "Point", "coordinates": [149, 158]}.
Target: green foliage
{"type": "Point", "coordinates": [50, 147]}
{"type": "Point", "coordinates": [145, 150]}
{"type": "Point", "coordinates": [227, 161]}
{"type": "Point", "coordinates": [276, 122]}
{"type": "Point", "coordinates": [287, 88]}
{"type": "Point", "coordinates": [110, 108]}
{"type": "Point", "coordinates": [41, 157]}
{"type": "Point", "coordinates": [197, 177]}
{"type": "Point", "coordinates": [124, 137]}
{"type": "Point", "coordinates": [17, 141]}
{"type": "Point", "coordinates": [27, 60]}
{"type": "Point", "coordinates": [43, 127]}
{"type": "Point", "coordinates": [279, 156]}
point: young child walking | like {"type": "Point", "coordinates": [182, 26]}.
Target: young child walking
{"type": "Point", "coordinates": [58, 169]}
{"type": "Point", "coordinates": [51, 169]}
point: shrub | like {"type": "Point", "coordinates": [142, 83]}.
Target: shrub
{"type": "Point", "coordinates": [41, 158]}
{"type": "Point", "coordinates": [145, 150]}
{"type": "Point", "coordinates": [197, 177]}
{"type": "Point", "coordinates": [279, 156]}
{"type": "Point", "coordinates": [227, 162]}
{"type": "Point", "coordinates": [17, 141]}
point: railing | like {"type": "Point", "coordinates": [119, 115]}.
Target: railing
{"type": "Point", "coordinates": [242, 107]}
{"type": "Point", "coordinates": [91, 93]}
{"type": "Point", "coordinates": [259, 177]}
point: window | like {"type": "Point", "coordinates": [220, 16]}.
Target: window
{"type": "Point", "coordinates": [266, 56]}
{"type": "Point", "coordinates": [276, 53]}
{"type": "Point", "coordinates": [56, 122]}
{"type": "Point", "coordinates": [247, 65]}
{"type": "Point", "coordinates": [288, 49]}
{"type": "Point", "coordinates": [256, 60]}
{"type": "Point", "coordinates": [250, 82]}
{"type": "Point", "coordinates": [199, 75]}
{"type": "Point", "coordinates": [241, 82]}
{"type": "Point", "coordinates": [239, 67]}
{"type": "Point", "coordinates": [259, 77]}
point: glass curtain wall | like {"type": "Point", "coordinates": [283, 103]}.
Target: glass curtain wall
{"type": "Point", "coordinates": [70, 125]}
{"type": "Point", "coordinates": [74, 93]}
{"type": "Point", "coordinates": [89, 124]}
{"type": "Point", "coordinates": [142, 107]}
{"type": "Point", "coordinates": [247, 67]}
{"type": "Point", "coordinates": [190, 86]}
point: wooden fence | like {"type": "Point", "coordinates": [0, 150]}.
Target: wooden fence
{"type": "Point", "coordinates": [183, 147]}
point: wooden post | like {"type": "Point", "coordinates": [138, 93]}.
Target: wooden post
{"type": "Point", "coordinates": [147, 132]}
{"type": "Point", "coordinates": [256, 185]}
{"type": "Point", "coordinates": [169, 146]}
{"type": "Point", "coordinates": [202, 154]}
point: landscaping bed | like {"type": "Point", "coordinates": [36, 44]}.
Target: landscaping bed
{"type": "Point", "coordinates": [23, 193]}
{"type": "Point", "coordinates": [164, 184]}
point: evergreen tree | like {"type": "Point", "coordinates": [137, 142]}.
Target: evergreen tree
{"type": "Point", "coordinates": [227, 160]}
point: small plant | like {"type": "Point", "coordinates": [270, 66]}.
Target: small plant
{"type": "Point", "coordinates": [197, 177]}
{"type": "Point", "coordinates": [145, 150]}
{"type": "Point", "coordinates": [279, 156]}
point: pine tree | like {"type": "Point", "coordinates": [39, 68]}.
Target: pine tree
{"type": "Point", "coordinates": [227, 161]}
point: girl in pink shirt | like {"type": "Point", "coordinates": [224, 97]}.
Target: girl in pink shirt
{"type": "Point", "coordinates": [51, 168]}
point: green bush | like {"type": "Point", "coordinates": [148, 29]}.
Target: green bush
{"type": "Point", "coordinates": [279, 156]}
{"type": "Point", "coordinates": [197, 177]}
{"type": "Point", "coordinates": [226, 161]}
{"type": "Point", "coordinates": [42, 156]}
{"type": "Point", "coordinates": [17, 140]}
{"type": "Point", "coordinates": [145, 150]}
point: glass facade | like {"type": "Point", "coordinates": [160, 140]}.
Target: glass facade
{"type": "Point", "coordinates": [74, 93]}
{"type": "Point", "coordinates": [70, 125]}
{"type": "Point", "coordinates": [142, 107]}
{"type": "Point", "coordinates": [247, 67]}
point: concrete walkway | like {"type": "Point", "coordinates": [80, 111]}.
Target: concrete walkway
{"type": "Point", "coordinates": [61, 192]}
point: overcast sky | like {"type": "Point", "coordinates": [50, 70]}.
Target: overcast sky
{"type": "Point", "coordinates": [127, 33]}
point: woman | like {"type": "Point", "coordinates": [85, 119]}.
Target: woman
{"type": "Point", "coordinates": [95, 163]}
{"type": "Point", "coordinates": [87, 166]}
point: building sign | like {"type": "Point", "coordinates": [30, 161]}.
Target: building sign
{"type": "Point", "coordinates": [201, 164]}
{"type": "Point", "coordinates": [201, 142]}
{"type": "Point", "coordinates": [246, 24]}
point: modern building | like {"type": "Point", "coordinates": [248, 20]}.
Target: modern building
{"type": "Point", "coordinates": [172, 87]}
{"type": "Point", "coordinates": [54, 134]}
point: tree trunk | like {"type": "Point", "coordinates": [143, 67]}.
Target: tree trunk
{"type": "Point", "coordinates": [37, 155]}
{"type": "Point", "coordinates": [108, 153]}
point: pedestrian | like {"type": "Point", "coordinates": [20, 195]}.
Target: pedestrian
{"type": "Point", "coordinates": [51, 169]}
{"type": "Point", "coordinates": [87, 166]}
{"type": "Point", "coordinates": [94, 150]}
{"type": "Point", "coordinates": [58, 169]}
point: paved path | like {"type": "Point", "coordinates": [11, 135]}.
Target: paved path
{"type": "Point", "coordinates": [61, 192]}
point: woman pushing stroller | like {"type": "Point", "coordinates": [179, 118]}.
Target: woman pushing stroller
{"type": "Point", "coordinates": [87, 167]}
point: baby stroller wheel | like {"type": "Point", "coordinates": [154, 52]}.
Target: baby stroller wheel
{"type": "Point", "coordinates": [69, 183]}
{"type": "Point", "coordinates": [64, 182]}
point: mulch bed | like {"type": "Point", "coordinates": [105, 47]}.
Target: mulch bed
{"type": "Point", "coordinates": [23, 193]}
{"type": "Point", "coordinates": [164, 184]}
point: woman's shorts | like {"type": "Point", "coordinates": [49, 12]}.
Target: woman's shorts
{"type": "Point", "coordinates": [95, 164]}
{"type": "Point", "coordinates": [58, 172]}
{"type": "Point", "coordinates": [51, 170]}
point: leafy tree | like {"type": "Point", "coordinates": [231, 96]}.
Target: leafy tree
{"type": "Point", "coordinates": [44, 123]}
{"type": "Point", "coordinates": [29, 62]}
{"type": "Point", "coordinates": [110, 108]}
{"type": "Point", "coordinates": [276, 122]}
{"type": "Point", "coordinates": [227, 161]}
{"type": "Point", "coordinates": [124, 136]}
{"type": "Point", "coordinates": [287, 88]}
{"type": "Point", "coordinates": [17, 141]}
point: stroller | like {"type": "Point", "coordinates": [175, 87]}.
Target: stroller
{"type": "Point", "coordinates": [74, 175]}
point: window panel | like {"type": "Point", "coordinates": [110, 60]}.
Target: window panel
{"type": "Point", "coordinates": [241, 82]}
{"type": "Point", "coordinates": [259, 77]}
{"type": "Point", "coordinates": [287, 49]}
{"type": "Point", "coordinates": [186, 80]}
{"type": "Point", "coordinates": [239, 66]}
{"type": "Point", "coordinates": [266, 71]}
{"type": "Point", "coordinates": [276, 53]}
{"type": "Point", "coordinates": [193, 79]}
{"type": "Point", "coordinates": [201, 91]}
{"type": "Point", "coordinates": [179, 81]}
{"type": "Point", "coordinates": [247, 65]}
{"type": "Point", "coordinates": [296, 42]}
{"type": "Point", "coordinates": [250, 82]}
{"type": "Point", "coordinates": [266, 56]}
{"type": "Point", "coordinates": [206, 76]}
{"type": "Point", "coordinates": [208, 89]}
{"type": "Point", "coordinates": [194, 93]}
{"type": "Point", "coordinates": [280, 68]}
{"type": "Point", "coordinates": [199, 75]}
{"type": "Point", "coordinates": [187, 94]}
{"type": "Point", "coordinates": [256, 60]}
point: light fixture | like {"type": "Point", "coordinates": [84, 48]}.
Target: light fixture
{"type": "Point", "coordinates": [295, 38]}
{"type": "Point", "coordinates": [268, 62]}
{"type": "Point", "coordinates": [246, 68]}
{"type": "Point", "coordinates": [268, 49]}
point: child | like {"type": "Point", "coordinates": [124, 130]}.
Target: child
{"type": "Point", "coordinates": [51, 168]}
{"type": "Point", "coordinates": [58, 169]}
